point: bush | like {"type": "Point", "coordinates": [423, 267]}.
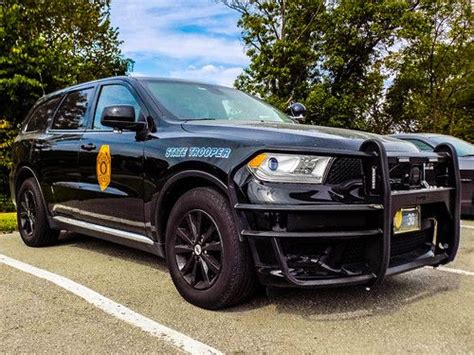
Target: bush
{"type": "Point", "coordinates": [7, 222]}
{"type": "Point", "coordinates": [7, 135]}
{"type": "Point", "coordinates": [6, 204]}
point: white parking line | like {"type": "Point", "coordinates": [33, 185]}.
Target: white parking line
{"type": "Point", "coordinates": [466, 226]}
{"type": "Point", "coordinates": [171, 336]}
{"type": "Point", "coordinates": [455, 271]}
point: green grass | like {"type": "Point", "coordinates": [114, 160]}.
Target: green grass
{"type": "Point", "coordinates": [7, 222]}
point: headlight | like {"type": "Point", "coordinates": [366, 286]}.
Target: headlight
{"type": "Point", "coordinates": [290, 168]}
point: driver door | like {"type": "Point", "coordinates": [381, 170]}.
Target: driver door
{"type": "Point", "coordinates": [111, 167]}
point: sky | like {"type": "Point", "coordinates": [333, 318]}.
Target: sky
{"type": "Point", "coordinates": [189, 39]}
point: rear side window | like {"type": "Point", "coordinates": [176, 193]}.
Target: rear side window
{"type": "Point", "coordinates": [72, 112]}
{"type": "Point", "coordinates": [41, 115]}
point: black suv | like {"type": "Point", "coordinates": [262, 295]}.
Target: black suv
{"type": "Point", "coordinates": [230, 190]}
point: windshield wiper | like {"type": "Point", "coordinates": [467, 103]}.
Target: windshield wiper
{"type": "Point", "coordinates": [201, 119]}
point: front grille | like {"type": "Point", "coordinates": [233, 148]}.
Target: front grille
{"type": "Point", "coordinates": [403, 176]}
{"type": "Point", "coordinates": [344, 169]}
{"type": "Point", "coordinates": [408, 242]}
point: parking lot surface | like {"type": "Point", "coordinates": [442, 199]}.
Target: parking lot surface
{"type": "Point", "coordinates": [422, 311]}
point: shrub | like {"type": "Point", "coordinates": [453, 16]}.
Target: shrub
{"type": "Point", "coordinates": [6, 204]}
{"type": "Point", "coordinates": [7, 222]}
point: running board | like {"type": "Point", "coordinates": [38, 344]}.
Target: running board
{"type": "Point", "coordinates": [102, 229]}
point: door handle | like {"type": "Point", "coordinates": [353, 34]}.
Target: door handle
{"type": "Point", "coordinates": [88, 147]}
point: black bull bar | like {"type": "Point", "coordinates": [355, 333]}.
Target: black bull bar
{"type": "Point", "coordinates": [377, 185]}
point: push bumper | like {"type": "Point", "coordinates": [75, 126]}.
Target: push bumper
{"type": "Point", "coordinates": [357, 246]}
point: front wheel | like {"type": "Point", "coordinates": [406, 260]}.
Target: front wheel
{"type": "Point", "coordinates": [209, 265]}
{"type": "Point", "coordinates": [32, 219]}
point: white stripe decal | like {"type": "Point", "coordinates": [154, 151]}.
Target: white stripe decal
{"type": "Point", "coordinates": [59, 207]}
{"type": "Point", "coordinates": [171, 336]}
{"type": "Point", "coordinates": [466, 226]}
{"type": "Point", "coordinates": [107, 230]}
{"type": "Point", "coordinates": [453, 271]}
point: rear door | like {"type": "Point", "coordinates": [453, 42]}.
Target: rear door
{"type": "Point", "coordinates": [35, 141]}
{"type": "Point", "coordinates": [57, 153]}
{"type": "Point", "coordinates": [111, 166]}
{"type": "Point", "coordinates": [466, 167]}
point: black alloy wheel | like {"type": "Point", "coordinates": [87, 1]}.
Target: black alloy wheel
{"type": "Point", "coordinates": [209, 265]}
{"type": "Point", "coordinates": [32, 216]}
{"type": "Point", "coordinates": [198, 249]}
{"type": "Point", "coordinates": [27, 212]}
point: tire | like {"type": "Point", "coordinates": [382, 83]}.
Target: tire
{"type": "Point", "coordinates": [32, 216]}
{"type": "Point", "coordinates": [220, 255]}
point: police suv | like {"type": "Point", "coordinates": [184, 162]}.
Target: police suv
{"type": "Point", "coordinates": [230, 190]}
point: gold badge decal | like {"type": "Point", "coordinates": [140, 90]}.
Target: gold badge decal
{"type": "Point", "coordinates": [104, 167]}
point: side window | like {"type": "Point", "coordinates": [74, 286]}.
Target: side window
{"type": "Point", "coordinates": [111, 95]}
{"type": "Point", "coordinates": [421, 145]}
{"type": "Point", "coordinates": [72, 112]}
{"type": "Point", "coordinates": [41, 115]}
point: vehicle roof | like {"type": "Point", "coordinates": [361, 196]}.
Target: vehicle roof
{"type": "Point", "coordinates": [126, 78]}
{"type": "Point", "coordinates": [415, 135]}
{"type": "Point", "coordinates": [174, 80]}
{"type": "Point", "coordinates": [79, 85]}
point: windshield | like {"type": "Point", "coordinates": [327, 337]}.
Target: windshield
{"type": "Point", "coordinates": [463, 148]}
{"type": "Point", "coordinates": [190, 101]}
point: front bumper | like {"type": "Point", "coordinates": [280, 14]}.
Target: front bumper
{"type": "Point", "coordinates": [331, 243]}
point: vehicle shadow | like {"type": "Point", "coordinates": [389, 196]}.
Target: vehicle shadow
{"type": "Point", "coordinates": [334, 304]}
{"type": "Point", "coordinates": [112, 249]}
{"type": "Point", "coordinates": [348, 303]}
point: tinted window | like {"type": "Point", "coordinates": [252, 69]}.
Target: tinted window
{"type": "Point", "coordinates": [41, 115]}
{"type": "Point", "coordinates": [72, 112]}
{"type": "Point", "coordinates": [111, 95]}
{"type": "Point", "coordinates": [421, 145]}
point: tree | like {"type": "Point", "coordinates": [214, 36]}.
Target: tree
{"type": "Point", "coordinates": [280, 37]}
{"type": "Point", "coordinates": [357, 34]}
{"type": "Point", "coordinates": [433, 88]}
{"type": "Point", "coordinates": [47, 45]}
{"type": "Point", "coordinates": [372, 65]}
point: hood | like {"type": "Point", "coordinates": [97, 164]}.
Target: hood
{"type": "Point", "coordinates": [288, 134]}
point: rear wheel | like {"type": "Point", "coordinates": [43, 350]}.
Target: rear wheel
{"type": "Point", "coordinates": [209, 265]}
{"type": "Point", "coordinates": [31, 216]}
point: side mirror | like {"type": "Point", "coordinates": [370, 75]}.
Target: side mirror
{"type": "Point", "coordinates": [121, 117]}
{"type": "Point", "coordinates": [296, 111]}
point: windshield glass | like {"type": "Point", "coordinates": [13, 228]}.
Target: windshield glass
{"type": "Point", "coordinates": [463, 148]}
{"type": "Point", "coordinates": [190, 101]}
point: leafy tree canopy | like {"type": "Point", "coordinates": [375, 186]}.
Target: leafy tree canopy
{"type": "Point", "coordinates": [382, 66]}
{"type": "Point", "coordinates": [46, 45]}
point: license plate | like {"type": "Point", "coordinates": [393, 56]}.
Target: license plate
{"type": "Point", "coordinates": [407, 220]}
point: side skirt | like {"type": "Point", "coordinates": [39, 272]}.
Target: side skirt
{"type": "Point", "coordinates": [128, 239]}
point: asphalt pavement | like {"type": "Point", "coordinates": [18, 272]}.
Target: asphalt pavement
{"type": "Point", "coordinates": [426, 310]}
